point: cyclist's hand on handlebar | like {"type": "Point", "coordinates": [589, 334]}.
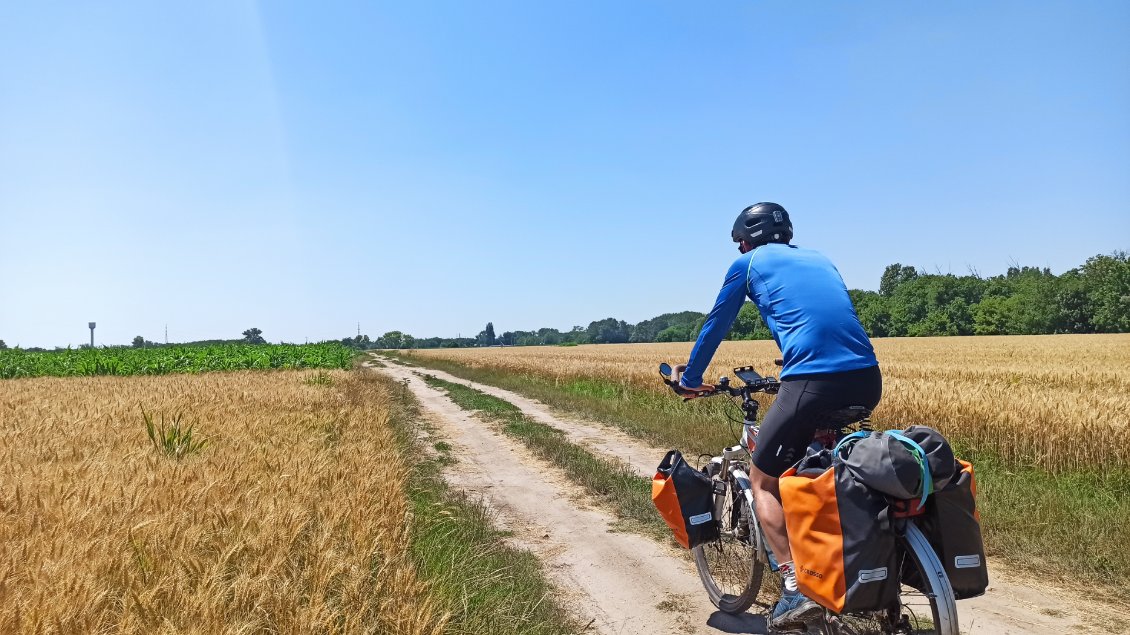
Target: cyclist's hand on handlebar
{"type": "Point", "coordinates": [673, 377]}
{"type": "Point", "coordinates": [698, 391]}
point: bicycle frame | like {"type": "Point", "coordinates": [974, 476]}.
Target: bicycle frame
{"type": "Point", "coordinates": [750, 428]}
{"type": "Point", "coordinates": [729, 463]}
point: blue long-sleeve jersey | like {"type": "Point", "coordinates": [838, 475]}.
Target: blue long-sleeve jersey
{"type": "Point", "coordinates": [805, 304]}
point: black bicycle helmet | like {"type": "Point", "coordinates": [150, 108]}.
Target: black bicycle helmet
{"type": "Point", "coordinates": [763, 223]}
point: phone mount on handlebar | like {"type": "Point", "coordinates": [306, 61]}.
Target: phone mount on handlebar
{"type": "Point", "coordinates": [748, 374]}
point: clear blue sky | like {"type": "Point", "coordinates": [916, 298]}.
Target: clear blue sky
{"type": "Point", "coordinates": [429, 166]}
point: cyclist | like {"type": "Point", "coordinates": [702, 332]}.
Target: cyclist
{"type": "Point", "coordinates": [828, 363]}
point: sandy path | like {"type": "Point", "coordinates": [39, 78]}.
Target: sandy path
{"type": "Point", "coordinates": [619, 579]}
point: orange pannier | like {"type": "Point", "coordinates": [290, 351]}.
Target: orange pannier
{"type": "Point", "coordinates": [843, 554]}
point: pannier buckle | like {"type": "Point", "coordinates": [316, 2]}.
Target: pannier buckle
{"type": "Point", "coordinates": [907, 508]}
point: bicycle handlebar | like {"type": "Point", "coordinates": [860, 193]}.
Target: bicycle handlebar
{"type": "Point", "coordinates": [671, 377]}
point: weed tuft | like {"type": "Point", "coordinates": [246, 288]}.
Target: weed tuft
{"type": "Point", "coordinates": [320, 378]}
{"type": "Point", "coordinates": [171, 437]}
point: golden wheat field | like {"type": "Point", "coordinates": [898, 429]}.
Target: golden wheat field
{"type": "Point", "coordinates": [291, 519]}
{"type": "Point", "coordinates": [1055, 401]}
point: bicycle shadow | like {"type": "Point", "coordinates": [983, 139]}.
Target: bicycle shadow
{"type": "Point", "coordinates": [746, 623]}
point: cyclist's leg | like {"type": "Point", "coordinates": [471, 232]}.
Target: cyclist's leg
{"type": "Point", "coordinates": [787, 430]}
{"type": "Point", "coordinates": [781, 441]}
{"type": "Point", "coordinates": [767, 499]}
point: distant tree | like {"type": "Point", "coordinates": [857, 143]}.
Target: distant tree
{"type": "Point", "coordinates": [549, 337]}
{"type": "Point", "coordinates": [934, 305]}
{"type": "Point", "coordinates": [392, 339]}
{"type": "Point", "coordinates": [749, 325]}
{"type": "Point", "coordinates": [253, 336]}
{"type": "Point", "coordinates": [526, 338]}
{"type": "Point", "coordinates": [648, 330]}
{"type": "Point", "coordinates": [909, 303]}
{"type": "Point", "coordinates": [676, 333]}
{"type": "Point", "coordinates": [697, 327]}
{"type": "Point", "coordinates": [893, 276]}
{"type": "Point", "coordinates": [992, 315]}
{"type": "Point", "coordinates": [1031, 300]}
{"type": "Point", "coordinates": [138, 342]}
{"type": "Point", "coordinates": [3, 346]}
{"type": "Point", "coordinates": [608, 331]}
{"type": "Point", "coordinates": [1074, 313]}
{"type": "Point", "coordinates": [873, 311]}
{"type": "Point", "coordinates": [1107, 283]}
{"type": "Point", "coordinates": [359, 342]}
{"type": "Point", "coordinates": [953, 318]}
{"type": "Point", "coordinates": [486, 336]}
{"type": "Point", "coordinates": [576, 335]}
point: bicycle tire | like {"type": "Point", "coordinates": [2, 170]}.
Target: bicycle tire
{"type": "Point", "coordinates": [909, 618]}
{"type": "Point", "coordinates": [937, 592]}
{"type": "Point", "coordinates": [729, 567]}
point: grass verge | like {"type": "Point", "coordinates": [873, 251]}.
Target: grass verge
{"type": "Point", "coordinates": [486, 585]}
{"type": "Point", "coordinates": [1063, 526]}
{"type": "Point", "coordinates": [611, 482]}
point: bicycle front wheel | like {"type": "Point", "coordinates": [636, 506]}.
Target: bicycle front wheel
{"type": "Point", "coordinates": [729, 567]}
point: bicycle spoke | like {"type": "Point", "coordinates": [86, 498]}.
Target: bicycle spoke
{"type": "Point", "coordinates": [729, 567]}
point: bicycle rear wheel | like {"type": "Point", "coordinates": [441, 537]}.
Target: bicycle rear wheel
{"type": "Point", "coordinates": [729, 567]}
{"type": "Point", "coordinates": [931, 609]}
{"type": "Point", "coordinates": [928, 608]}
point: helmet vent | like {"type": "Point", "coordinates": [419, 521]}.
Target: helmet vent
{"type": "Point", "coordinates": [777, 217]}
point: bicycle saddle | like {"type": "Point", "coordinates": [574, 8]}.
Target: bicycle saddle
{"type": "Point", "coordinates": [846, 416]}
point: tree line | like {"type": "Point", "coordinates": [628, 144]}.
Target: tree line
{"type": "Point", "coordinates": [1091, 298]}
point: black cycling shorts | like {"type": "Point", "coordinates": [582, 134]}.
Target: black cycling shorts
{"type": "Point", "coordinates": [798, 411]}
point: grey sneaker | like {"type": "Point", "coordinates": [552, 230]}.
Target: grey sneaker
{"type": "Point", "coordinates": [793, 608]}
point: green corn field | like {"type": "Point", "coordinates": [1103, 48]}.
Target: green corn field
{"type": "Point", "coordinates": [15, 363]}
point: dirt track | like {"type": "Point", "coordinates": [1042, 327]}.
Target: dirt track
{"type": "Point", "coordinates": [627, 584]}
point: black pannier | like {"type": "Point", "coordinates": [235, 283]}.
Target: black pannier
{"type": "Point", "coordinates": [684, 498]}
{"type": "Point", "coordinates": [918, 470]}
{"type": "Point", "coordinates": [953, 528]}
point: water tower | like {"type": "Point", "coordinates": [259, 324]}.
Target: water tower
{"type": "Point", "coordinates": [91, 325]}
